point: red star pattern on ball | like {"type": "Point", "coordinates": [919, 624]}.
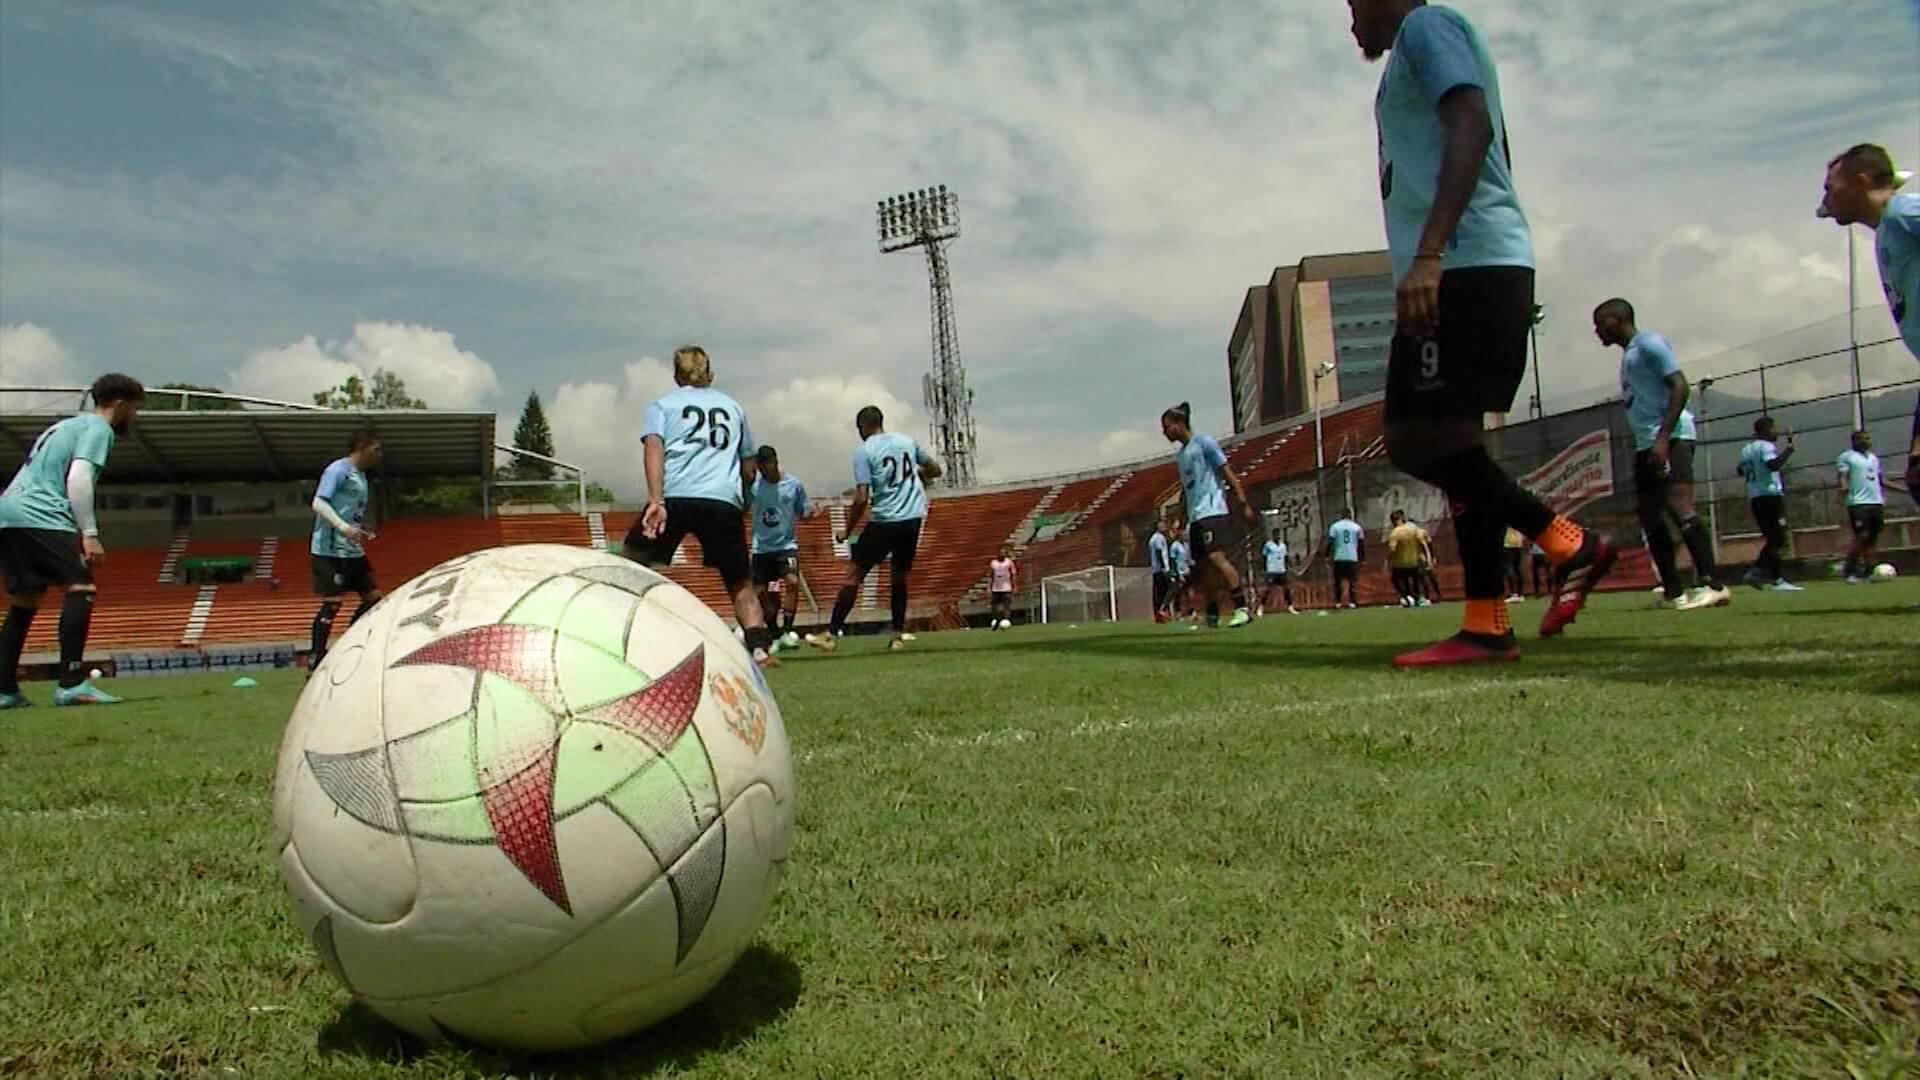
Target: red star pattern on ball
{"type": "Point", "coordinates": [519, 805]}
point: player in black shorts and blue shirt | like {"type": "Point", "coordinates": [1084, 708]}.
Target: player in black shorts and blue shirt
{"type": "Point", "coordinates": [1654, 392]}
{"type": "Point", "coordinates": [700, 464]}
{"type": "Point", "coordinates": [1859, 469]}
{"type": "Point", "coordinates": [1463, 269]}
{"type": "Point", "coordinates": [340, 563]}
{"type": "Point", "coordinates": [890, 472]}
{"type": "Point", "coordinates": [49, 537]}
{"type": "Point", "coordinates": [779, 502]}
{"type": "Point", "coordinates": [1205, 479]}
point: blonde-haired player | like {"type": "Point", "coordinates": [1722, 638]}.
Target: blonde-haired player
{"type": "Point", "coordinates": [700, 465]}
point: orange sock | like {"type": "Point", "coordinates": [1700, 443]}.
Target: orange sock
{"type": "Point", "coordinates": [1487, 617]}
{"type": "Point", "coordinates": [1562, 540]}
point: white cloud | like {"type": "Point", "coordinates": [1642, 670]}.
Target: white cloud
{"type": "Point", "coordinates": [434, 368]}
{"type": "Point", "coordinates": [31, 356]}
{"type": "Point", "coordinates": [596, 425]}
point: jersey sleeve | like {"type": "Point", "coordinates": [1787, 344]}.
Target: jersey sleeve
{"type": "Point", "coordinates": [1438, 51]}
{"type": "Point", "coordinates": [656, 422]}
{"type": "Point", "coordinates": [1659, 354]}
{"type": "Point", "coordinates": [802, 506]}
{"type": "Point", "coordinates": [329, 482]}
{"type": "Point", "coordinates": [1210, 451]}
{"type": "Point", "coordinates": [862, 468]}
{"type": "Point", "coordinates": [95, 442]}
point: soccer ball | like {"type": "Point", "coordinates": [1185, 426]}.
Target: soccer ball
{"type": "Point", "coordinates": [1006, 624]}
{"type": "Point", "coordinates": [1885, 571]}
{"type": "Point", "coordinates": [536, 799]}
{"type": "Point", "coordinates": [791, 640]}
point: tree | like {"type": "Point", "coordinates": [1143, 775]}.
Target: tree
{"type": "Point", "coordinates": [534, 434]}
{"type": "Point", "coordinates": [195, 404]}
{"type": "Point", "coordinates": [385, 391]}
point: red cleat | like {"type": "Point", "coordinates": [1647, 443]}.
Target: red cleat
{"type": "Point", "coordinates": [1462, 648]}
{"type": "Point", "coordinates": [1574, 580]}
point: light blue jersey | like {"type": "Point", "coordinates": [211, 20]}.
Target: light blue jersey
{"type": "Point", "coordinates": [1437, 50]}
{"type": "Point", "coordinates": [1343, 540]}
{"type": "Point", "coordinates": [37, 496]}
{"type": "Point", "coordinates": [776, 507]}
{"type": "Point", "coordinates": [1157, 557]}
{"type": "Point", "coordinates": [344, 488]}
{"type": "Point", "coordinates": [1762, 478]}
{"type": "Point", "coordinates": [706, 438]}
{"type": "Point", "coordinates": [1180, 558]}
{"type": "Point", "coordinates": [1862, 474]}
{"type": "Point", "coordinates": [889, 464]}
{"type": "Point", "coordinates": [1896, 246]}
{"type": "Point", "coordinates": [1199, 462]}
{"type": "Point", "coordinates": [1276, 554]}
{"type": "Point", "coordinates": [1644, 368]}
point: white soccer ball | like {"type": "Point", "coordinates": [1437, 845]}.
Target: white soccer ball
{"type": "Point", "coordinates": [1006, 624]}
{"type": "Point", "coordinates": [791, 640]}
{"type": "Point", "coordinates": [533, 800]}
{"type": "Point", "coordinates": [97, 673]}
{"type": "Point", "coordinates": [1885, 571]}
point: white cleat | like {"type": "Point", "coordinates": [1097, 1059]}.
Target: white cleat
{"type": "Point", "coordinates": [1706, 596]}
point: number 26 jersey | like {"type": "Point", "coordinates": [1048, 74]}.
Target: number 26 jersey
{"type": "Point", "coordinates": [706, 438]}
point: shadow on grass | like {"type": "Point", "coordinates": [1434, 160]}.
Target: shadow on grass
{"type": "Point", "coordinates": [762, 986]}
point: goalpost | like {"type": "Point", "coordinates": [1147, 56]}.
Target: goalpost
{"type": "Point", "coordinates": [1097, 594]}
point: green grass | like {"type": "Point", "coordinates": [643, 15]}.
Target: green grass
{"type": "Point", "coordinates": [1670, 845]}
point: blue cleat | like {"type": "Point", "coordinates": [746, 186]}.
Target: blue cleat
{"type": "Point", "coordinates": [84, 694]}
{"type": "Point", "coordinates": [14, 701]}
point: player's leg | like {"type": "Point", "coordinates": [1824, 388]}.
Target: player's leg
{"type": "Point", "coordinates": [904, 543]}
{"type": "Point", "coordinates": [1870, 540]}
{"type": "Point", "coordinates": [1693, 532]}
{"type": "Point", "coordinates": [790, 595]}
{"type": "Point", "coordinates": [368, 589]}
{"type": "Point", "coordinates": [721, 531]}
{"type": "Point", "coordinates": [1230, 594]}
{"type": "Point", "coordinates": [24, 595]}
{"type": "Point", "coordinates": [1650, 505]}
{"type": "Point", "coordinates": [866, 554]}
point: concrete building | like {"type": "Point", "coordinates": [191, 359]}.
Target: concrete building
{"type": "Point", "coordinates": [1329, 307]}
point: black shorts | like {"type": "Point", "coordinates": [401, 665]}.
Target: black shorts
{"type": "Point", "coordinates": [1866, 520]}
{"type": "Point", "coordinates": [1002, 599]}
{"type": "Point", "coordinates": [1477, 358]}
{"type": "Point", "coordinates": [1649, 479]}
{"type": "Point", "coordinates": [333, 575]}
{"type": "Point", "coordinates": [884, 540]}
{"type": "Point", "coordinates": [718, 525]}
{"type": "Point", "coordinates": [1769, 512]}
{"type": "Point", "coordinates": [35, 560]}
{"type": "Point", "coordinates": [774, 566]}
{"type": "Point", "coordinates": [1345, 570]}
{"type": "Point", "coordinates": [1277, 580]}
{"type": "Point", "coordinates": [1211, 534]}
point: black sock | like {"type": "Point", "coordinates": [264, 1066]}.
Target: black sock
{"type": "Point", "coordinates": [758, 638]}
{"type": "Point", "coordinates": [322, 631]}
{"type": "Point", "coordinates": [786, 622]}
{"type": "Point", "coordinates": [1472, 478]}
{"type": "Point", "coordinates": [76, 615]}
{"type": "Point", "coordinates": [1478, 532]}
{"type": "Point", "coordinates": [1700, 546]}
{"type": "Point", "coordinates": [899, 602]}
{"type": "Point", "coordinates": [360, 609]}
{"type": "Point", "coordinates": [842, 607]}
{"type": "Point", "coordinates": [1660, 546]}
{"type": "Point", "coordinates": [13, 642]}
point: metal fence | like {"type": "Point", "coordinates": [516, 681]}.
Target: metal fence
{"type": "Point", "coordinates": [1581, 461]}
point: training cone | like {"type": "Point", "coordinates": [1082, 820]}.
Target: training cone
{"type": "Point", "coordinates": [244, 682]}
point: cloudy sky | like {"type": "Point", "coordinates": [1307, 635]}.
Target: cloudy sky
{"type": "Point", "coordinates": [497, 198]}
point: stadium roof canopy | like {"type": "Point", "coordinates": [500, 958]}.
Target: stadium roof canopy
{"type": "Point", "coordinates": [255, 443]}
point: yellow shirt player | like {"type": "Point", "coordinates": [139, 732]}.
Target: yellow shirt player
{"type": "Point", "coordinates": [1515, 552]}
{"type": "Point", "coordinates": [1408, 549]}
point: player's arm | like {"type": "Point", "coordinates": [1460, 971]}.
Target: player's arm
{"type": "Point", "coordinates": [1450, 76]}
{"type": "Point", "coordinates": [1779, 462]}
{"type": "Point", "coordinates": [929, 468]}
{"type": "Point", "coordinates": [653, 455]}
{"type": "Point", "coordinates": [1846, 474]}
{"type": "Point", "coordinates": [749, 468]}
{"type": "Point", "coordinates": [862, 498]}
{"type": "Point", "coordinates": [80, 478]}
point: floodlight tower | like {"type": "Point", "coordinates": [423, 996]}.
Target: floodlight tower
{"type": "Point", "coordinates": [929, 219]}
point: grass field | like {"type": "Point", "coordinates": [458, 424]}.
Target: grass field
{"type": "Point", "coordinates": [1670, 845]}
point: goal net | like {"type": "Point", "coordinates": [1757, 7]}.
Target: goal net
{"type": "Point", "coordinates": [1097, 594]}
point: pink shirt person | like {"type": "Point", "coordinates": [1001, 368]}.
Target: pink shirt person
{"type": "Point", "coordinates": [1003, 572]}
